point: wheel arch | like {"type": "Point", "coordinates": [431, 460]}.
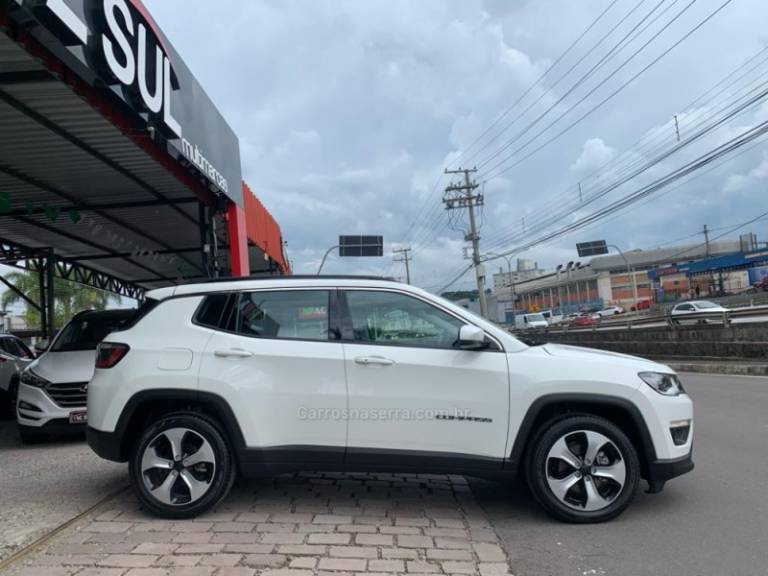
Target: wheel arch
{"type": "Point", "coordinates": [553, 407]}
{"type": "Point", "coordinates": [149, 404]}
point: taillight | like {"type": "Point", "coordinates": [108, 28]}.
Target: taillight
{"type": "Point", "coordinates": [109, 354]}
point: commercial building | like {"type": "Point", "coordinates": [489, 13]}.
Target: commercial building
{"type": "Point", "coordinates": [525, 270]}
{"type": "Point", "coordinates": [639, 277]}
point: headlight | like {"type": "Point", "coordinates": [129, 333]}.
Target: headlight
{"type": "Point", "coordinates": [31, 379]}
{"type": "Point", "coordinates": [666, 384]}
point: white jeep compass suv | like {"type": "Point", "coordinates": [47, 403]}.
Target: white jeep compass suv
{"type": "Point", "coordinates": [265, 376]}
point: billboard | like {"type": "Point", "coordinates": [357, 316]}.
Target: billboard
{"type": "Point", "coordinates": [587, 249]}
{"type": "Point", "coordinates": [361, 246]}
{"type": "Point", "coordinates": [116, 47]}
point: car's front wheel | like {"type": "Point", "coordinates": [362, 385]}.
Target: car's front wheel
{"type": "Point", "coordinates": [182, 466]}
{"type": "Point", "coordinates": [583, 469]}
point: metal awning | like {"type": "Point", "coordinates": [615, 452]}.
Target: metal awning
{"type": "Point", "coordinates": [71, 180]}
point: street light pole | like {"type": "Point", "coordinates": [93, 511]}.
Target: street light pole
{"type": "Point", "coordinates": [328, 253]}
{"type": "Point", "coordinates": [630, 272]}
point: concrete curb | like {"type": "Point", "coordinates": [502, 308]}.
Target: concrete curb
{"type": "Point", "coordinates": [734, 369]}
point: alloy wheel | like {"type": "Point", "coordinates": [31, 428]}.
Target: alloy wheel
{"type": "Point", "coordinates": [178, 466]}
{"type": "Point", "coordinates": [585, 470]}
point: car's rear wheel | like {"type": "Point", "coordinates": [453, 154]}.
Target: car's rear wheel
{"type": "Point", "coordinates": [583, 469]}
{"type": "Point", "coordinates": [182, 466]}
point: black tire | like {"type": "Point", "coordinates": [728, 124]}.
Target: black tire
{"type": "Point", "coordinates": [222, 475]}
{"type": "Point", "coordinates": [537, 469]}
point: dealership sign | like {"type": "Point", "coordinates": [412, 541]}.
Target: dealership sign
{"type": "Point", "coordinates": [123, 49]}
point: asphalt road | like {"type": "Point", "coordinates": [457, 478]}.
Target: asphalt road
{"type": "Point", "coordinates": [43, 486]}
{"type": "Point", "coordinates": [713, 521]}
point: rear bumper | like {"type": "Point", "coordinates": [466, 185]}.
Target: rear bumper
{"type": "Point", "coordinates": [662, 470]}
{"type": "Point", "coordinates": [106, 444]}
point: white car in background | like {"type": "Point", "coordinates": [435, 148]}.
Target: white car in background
{"type": "Point", "coordinates": [52, 395]}
{"type": "Point", "coordinates": [15, 356]}
{"type": "Point", "coordinates": [610, 311]}
{"type": "Point", "coordinates": [682, 312]}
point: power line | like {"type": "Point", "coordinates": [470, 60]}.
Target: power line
{"type": "Point", "coordinates": [605, 100]}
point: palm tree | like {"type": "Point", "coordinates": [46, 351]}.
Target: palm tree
{"type": "Point", "coordinates": [70, 298]}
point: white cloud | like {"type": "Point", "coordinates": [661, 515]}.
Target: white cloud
{"type": "Point", "coordinates": [594, 154]}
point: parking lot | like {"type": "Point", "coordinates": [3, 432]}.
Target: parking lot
{"type": "Point", "coordinates": [712, 521]}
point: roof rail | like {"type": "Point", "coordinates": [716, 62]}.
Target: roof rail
{"type": "Point", "coordinates": [292, 277]}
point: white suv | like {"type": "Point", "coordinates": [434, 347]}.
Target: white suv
{"type": "Point", "coordinates": [52, 392]}
{"type": "Point", "coordinates": [276, 375]}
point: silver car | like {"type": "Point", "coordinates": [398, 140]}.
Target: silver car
{"type": "Point", "coordinates": [15, 356]}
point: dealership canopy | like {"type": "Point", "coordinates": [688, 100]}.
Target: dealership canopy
{"type": "Point", "coordinates": [116, 168]}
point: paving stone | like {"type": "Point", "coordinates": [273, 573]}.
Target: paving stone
{"type": "Point", "coordinates": [194, 537]}
{"type": "Point", "coordinates": [287, 572]}
{"type": "Point", "coordinates": [419, 566]}
{"type": "Point", "coordinates": [282, 538]}
{"type": "Point", "coordinates": [400, 553]}
{"type": "Point", "coordinates": [453, 567]}
{"type": "Point", "coordinates": [153, 548]}
{"type": "Point", "coordinates": [290, 518]}
{"type": "Point", "coordinates": [447, 554]}
{"type": "Point", "coordinates": [147, 572]}
{"type": "Point", "coordinates": [255, 517]}
{"type": "Point", "coordinates": [354, 551]}
{"type": "Point", "coordinates": [236, 538]}
{"type": "Point", "coordinates": [305, 562]}
{"type": "Point", "coordinates": [374, 540]}
{"type": "Point", "coordinates": [128, 560]}
{"type": "Point", "coordinates": [358, 528]}
{"type": "Point", "coordinates": [302, 549]}
{"type": "Point", "coordinates": [249, 548]}
{"type": "Point", "coordinates": [235, 571]}
{"type": "Point", "coordinates": [275, 527]}
{"type": "Point", "coordinates": [455, 543]}
{"type": "Point", "coordinates": [489, 552]}
{"type": "Point", "coordinates": [493, 568]}
{"type": "Point", "coordinates": [180, 560]}
{"type": "Point", "coordinates": [199, 548]}
{"type": "Point", "coordinates": [329, 538]}
{"type": "Point", "coordinates": [265, 560]}
{"type": "Point", "coordinates": [108, 527]}
{"type": "Point", "coordinates": [406, 541]}
{"type": "Point", "coordinates": [351, 564]}
{"type": "Point", "coordinates": [221, 559]}
{"type": "Point", "coordinates": [234, 527]}
{"type": "Point", "coordinates": [412, 530]}
{"type": "Point", "coordinates": [101, 572]}
{"type": "Point", "coordinates": [332, 519]}
{"type": "Point", "coordinates": [192, 526]}
{"type": "Point", "coordinates": [386, 566]}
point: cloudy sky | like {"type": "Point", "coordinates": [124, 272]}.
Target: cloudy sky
{"type": "Point", "coordinates": [348, 111]}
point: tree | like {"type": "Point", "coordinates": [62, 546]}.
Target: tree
{"type": "Point", "coordinates": [70, 298]}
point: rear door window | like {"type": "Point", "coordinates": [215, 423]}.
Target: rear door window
{"type": "Point", "coordinates": [283, 315]}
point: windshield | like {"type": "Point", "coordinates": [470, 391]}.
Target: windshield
{"type": "Point", "coordinates": [86, 333]}
{"type": "Point", "coordinates": [706, 304]}
{"type": "Point", "coordinates": [535, 318]}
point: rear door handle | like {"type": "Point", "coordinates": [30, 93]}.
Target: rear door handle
{"type": "Point", "coordinates": [373, 361]}
{"type": "Point", "coordinates": [233, 353]}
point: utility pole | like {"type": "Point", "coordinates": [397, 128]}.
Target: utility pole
{"type": "Point", "coordinates": [407, 258]}
{"type": "Point", "coordinates": [460, 196]}
{"type": "Point", "coordinates": [706, 239]}
{"type": "Point", "coordinates": [677, 128]}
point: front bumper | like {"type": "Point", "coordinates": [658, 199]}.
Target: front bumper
{"type": "Point", "coordinates": [43, 410]}
{"type": "Point", "coordinates": [662, 470]}
{"type": "Point", "coordinates": [55, 427]}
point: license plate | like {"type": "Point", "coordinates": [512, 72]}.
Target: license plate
{"type": "Point", "coordinates": [78, 417]}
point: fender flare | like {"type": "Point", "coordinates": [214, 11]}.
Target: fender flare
{"type": "Point", "coordinates": [525, 433]}
{"type": "Point", "coordinates": [220, 409]}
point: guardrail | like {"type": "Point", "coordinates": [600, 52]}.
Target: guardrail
{"type": "Point", "coordinates": [630, 323]}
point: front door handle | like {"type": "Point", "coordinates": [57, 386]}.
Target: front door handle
{"type": "Point", "coordinates": [233, 353]}
{"type": "Point", "coordinates": [374, 361]}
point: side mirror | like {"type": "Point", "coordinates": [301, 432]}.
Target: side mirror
{"type": "Point", "coordinates": [41, 346]}
{"type": "Point", "coordinates": [471, 338]}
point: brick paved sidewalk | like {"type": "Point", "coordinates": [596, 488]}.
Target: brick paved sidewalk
{"type": "Point", "coordinates": [326, 524]}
